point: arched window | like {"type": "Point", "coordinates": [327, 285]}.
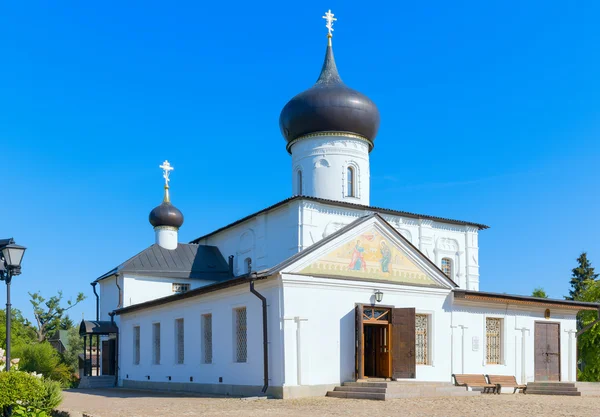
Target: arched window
{"type": "Point", "coordinates": [248, 264]}
{"type": "Point", "coordinates": [299, 182]}
{"type": "Point", "coordinates": [350, 192]}
{"type": "Point", "coordinates": [447, 267]}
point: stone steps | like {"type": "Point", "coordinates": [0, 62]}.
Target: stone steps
{"type": "Point", "coordinates": [94, 382]}
{"type": "Point", "coordinates": [553, 388]}
{"type": "Point", "coordinates": [388, 390]}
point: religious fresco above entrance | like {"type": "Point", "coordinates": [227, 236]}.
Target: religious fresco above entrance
{"type": "Point", "coordinates": [370, 255]}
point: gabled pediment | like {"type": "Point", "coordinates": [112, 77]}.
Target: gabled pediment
{"type": "Point", "coordinates": [370, 249]}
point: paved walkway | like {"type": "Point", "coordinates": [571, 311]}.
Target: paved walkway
{"type": "Point", "coordinates": [128, 403]}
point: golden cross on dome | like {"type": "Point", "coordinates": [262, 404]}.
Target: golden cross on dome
{"type": "Point", "coordinates": [330, 19]}
{"type": "Point", "coordinates": [167, 168]}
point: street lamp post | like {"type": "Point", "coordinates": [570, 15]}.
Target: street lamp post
{"type": "Point", "coordinates": [10, 265]}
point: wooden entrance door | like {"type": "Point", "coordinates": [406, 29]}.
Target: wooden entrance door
{"type": "Point", "coordinates": [373, 342]}
{"type": "Point", "coordinates": [108, 357]}
{"type": "Point", "coordinates": [547, 352]}
{"type": "Point", "coordinates": [404, 363]}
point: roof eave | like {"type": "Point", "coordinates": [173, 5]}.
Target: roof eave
{"type": "Point", "coordinates": [481, 296]}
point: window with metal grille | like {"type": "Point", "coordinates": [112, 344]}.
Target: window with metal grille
{"type": "Point", "coordinates": [421, 333]}
{"type": "Point", "coordinates": [156, 343]}
{"type": "Point", "coordinates": [181, 287]}
{"type": "Point", "coordinates": [136, 345]}
{"type": "Point", "coordinates": [447, 267]}
{"type": "Point", "coordinates": [493, 330]}
{"type": "Point", "coordinates": [179, 338]}
{"type": "Point", "coordinates": [207, 338]}
{"type": "Point", "coordinates": [248, 263]}
{"type": "Point", "coordinates": [241, 351]}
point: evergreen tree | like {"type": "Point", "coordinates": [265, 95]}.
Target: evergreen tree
{"type": "Point", "coordinates": [539, 292]}
{"type": "Point", "coordinates": [582, 277]}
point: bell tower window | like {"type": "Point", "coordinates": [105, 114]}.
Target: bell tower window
{"type": "Point", "coordinates": [299, 182]}
{"type": "Point", "coordinates": [350, 192]}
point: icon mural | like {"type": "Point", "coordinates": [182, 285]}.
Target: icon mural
{"type": "Point", "coordinates": [370, 256]}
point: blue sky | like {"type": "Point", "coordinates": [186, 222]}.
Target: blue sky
{"type": "Point", "coordinates": [490, 113]}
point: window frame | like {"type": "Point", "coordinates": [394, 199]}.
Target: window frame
{"type": "Point", "coordinates": [428, 339]}
{"type": "Point", "coordinates": [450, 262]}
{"type": "Point", "coordinates": [136, 344]}
{"type": "Point", "coordinates": [179, 360]}
{"type": "Point", "coordinates": [299, 182]}
{"type": "Point", "coordinates": [501, 339]}
{"type": "Point", "coordinates": [176, 285]}
{"type": "Point", "coordinates": [204, 339]}
{"type": "Point", "coordinates": [351, 181]}
{"type": "Point", "coordinates": [156, 353]}
{"type": "Point", "coordinates": [236, 333]}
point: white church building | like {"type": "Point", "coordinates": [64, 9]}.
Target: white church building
{"type": "Point", "coordinates": [323, 287]}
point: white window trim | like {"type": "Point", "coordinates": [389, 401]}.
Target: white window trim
{"type": "Point", "coordinates": [356, 181]}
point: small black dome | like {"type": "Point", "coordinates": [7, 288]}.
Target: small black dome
{"type": "Point", "coordinates": [166, 215]}
{"type": "Point", "coordinates": [329, 106]}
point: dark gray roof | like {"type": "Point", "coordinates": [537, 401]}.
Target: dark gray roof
{"type": "Point", "coordinates": [348, 205]}
{"type": "Point", "coordinates": [97, 327]}
{"type": "Point", "coordinates": [329, 106]}
{"type": "Point", "coordinates": [187, 261]}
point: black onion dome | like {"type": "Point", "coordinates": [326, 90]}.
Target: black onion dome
{"type": "Point", "coordinates": [166, 214]}
{"type": "Point", "coordinates": [329, 106]}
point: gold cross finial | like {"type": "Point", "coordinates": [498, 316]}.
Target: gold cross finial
{"type": "Point", "coordinates": [330, 19]}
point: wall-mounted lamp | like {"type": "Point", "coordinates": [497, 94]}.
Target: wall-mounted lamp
{"type": "Point", "coordinates": [378, 296]}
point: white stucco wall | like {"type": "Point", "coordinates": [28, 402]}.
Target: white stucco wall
{"type": "Point", "coordinates": [109, 296]}
{"type": "Point", "coordinates": [221, 305]}
{"type": "Point", "coordinates": [267, 239]}
{"type": "Point", "coordinates": [324, 160]}
{"type": "Point", "coordinates": [326, 308]}
{"type": "Point", "coordinates": [469, 318]}
{"type": "Point", "coordinates": [138, 289]}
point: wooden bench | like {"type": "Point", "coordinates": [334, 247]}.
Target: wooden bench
{"type": "Point", "coordinates": [506, 381]}
{"type": "Point", "coordinates": [474, 381]}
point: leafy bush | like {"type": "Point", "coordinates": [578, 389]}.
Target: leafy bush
{"type": "Point", "coordinates": [44, 359]}
{"type": "Point", "coordinates": [29, 395]}
{"type": "Point", "coordinates": [20, 387]}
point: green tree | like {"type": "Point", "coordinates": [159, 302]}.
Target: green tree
{"type": "Point", "coordinates": [582, 277]}
{"type": "Point", "coordinates": [49, 313]}
{"type": "Point", "coordinates": [539, 292]}
{"type": "Point", "coordinates": [74, 348]}
{"type": "Point", "coordinates": [43, 358]}
{"type": "Point", "coordinates": [66, 323]}
{"type": "Point", "coordinates": [588, 343]}
{"type": "Point", "coordinates": [22, 332]}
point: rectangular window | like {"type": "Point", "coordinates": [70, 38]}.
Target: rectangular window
{"type": "Point", "coordinates": [493, 331]}
{"type": "Point", "coordinates": [156, 343]}
{"type": "Point", "coordinates": [179, 340]}
{"type": "Point", "coordinates": [241, 352]}
{"type": "Point", "coordinates": [422, 335]}
{"type": "Point", "coordinates": [178, 288]}
{"type": "Point", "coordinates": [207, 338]}
{"type": "Point", "coordinates": [136, 345]}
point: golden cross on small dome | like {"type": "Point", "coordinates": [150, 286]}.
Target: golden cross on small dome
{"type": "Point", "coordinates": [330, 19]}
{"type": "Point", "coordinates": [167, 168]}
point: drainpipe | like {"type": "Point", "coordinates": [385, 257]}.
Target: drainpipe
{"type": "Point", "coordinates": [119, 303]}
{"type": "Point", "coordinates": [265, 338]}
{"type": "Point", "coordinates": [93, 284]}
{"type": "Point", "coordinates": [112, 320]}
